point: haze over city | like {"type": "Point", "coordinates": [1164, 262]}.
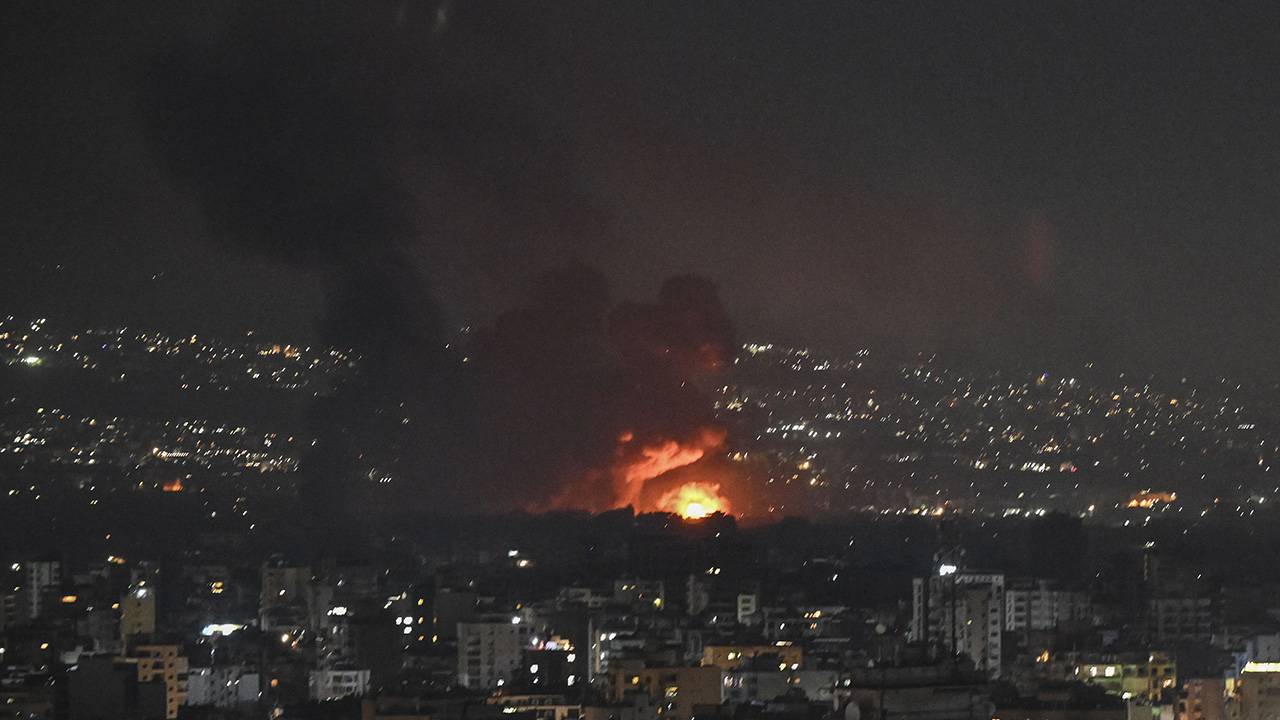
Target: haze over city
{"type": "Point", "coordinates": [610, 361]}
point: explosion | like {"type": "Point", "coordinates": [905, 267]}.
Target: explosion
{"type": "Point", "coordinates": [597, 402]}
{"type": "Point", "coordinates": [293, 141]}
{"type": "Point", "coordinates": [694, 500]}
{"type": "Point", "coordinates": [651, 461]}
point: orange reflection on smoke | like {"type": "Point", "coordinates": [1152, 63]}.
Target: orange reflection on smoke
{"type": "Point", "coordinates": [638, 465]}
{"type": "Point", "coordinates": [694, 500]}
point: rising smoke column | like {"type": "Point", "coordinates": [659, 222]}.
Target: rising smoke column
{"type": "Point", "coordinates": [665, 345]}
{"type": "Point", "coordinates": [284, 136]}
{"type": "Point", "coordinates": [366, 140]}
{"type": "Point", "coordinates": [287, 134]}
{"type": "Point", "coordinates": [588, 400]}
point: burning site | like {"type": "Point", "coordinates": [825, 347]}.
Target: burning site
{"type": "Point", "coordinates": [694, 501]}
{"type": "Point", "coordinates": [599, 404]}
{"type": "Point", "coordinates": [373, 359]}
{"type": "Point", "coordinates": [570, 399]}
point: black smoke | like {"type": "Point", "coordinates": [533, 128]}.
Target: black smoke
{"type": "Point", "coordinates": [374, 143]}
{"type": "Point", "coordinates": [577, 390]}
{"type": "Point", "coordinates": [287, 134]}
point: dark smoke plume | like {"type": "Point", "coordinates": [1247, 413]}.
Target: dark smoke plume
{"type": "Point", "coordinates": [586, 401]}
{"type": "Point", "coordinates": [288, 138]}
{"type": "Point", "coordinates": [365, 143]}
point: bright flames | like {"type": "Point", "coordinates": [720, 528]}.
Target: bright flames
{"type": "Point", "coordinates": [694, 500]}
{"type": "Point", "coordinates": [637, 465]}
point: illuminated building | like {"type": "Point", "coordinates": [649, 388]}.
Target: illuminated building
{"type": "Point", "coordinates": [163, 663]}
{"type": "Point", "coordinates": [733, 657]}
{"type": "Point", "coordinates": [1259, 659]}
{"type": "Point", "coordinates": [42, 579]}
{"type": "Point", "coordinates": [610, 646]}
{"type": "Point", "coordinates": [1262, 648]}
{"type": "Point", "coordinates": [805, 622]}
{"type": "Point", "coordinates": [1256, 695]}
{"type": "Point", "coordinates": [490, 652]}
{"type": "Point", "coordinates": [1148, 676]}
{"type": "Point", "coordinates": [1259, 649]}
{"type": "Point", "coordinates": [676, 691]}
{"type": "Point", "coordinates": [1202, 699]}
{"type": "Point", "coordinates": [549, 666]}
{"type": "Point", "coordinates": [1039, 605]}
{"type": "Point", "coordinates": [138, 613]}
{"type": "Point", "coordinates": [539, 706]}
{"type": "Point", "coordinates": [1147, 499]}
{"type": "Point", "coordinates": [769, 683]}
{"type": "Point", "coordinates": [643, 593]}
{"type": "Point", "coordinates": [961, 612]}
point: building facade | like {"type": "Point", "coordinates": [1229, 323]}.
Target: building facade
{"type": "Point", "coordinates": [962, 613]}
{"type": "Point", "coordinates": [489, 653]}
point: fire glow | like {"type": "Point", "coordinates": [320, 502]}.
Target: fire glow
{"type": "Point", "coordinates": [694, 501]}
{"type": "Point", "coordinates": [638, 464]}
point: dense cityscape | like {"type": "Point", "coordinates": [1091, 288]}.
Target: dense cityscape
{"type": "Point", "coordinates": [1015, 542]}
{"type": "Point", "coordinates": [718, 360]}
{"type": "Point", "coordinates": [811, 433]}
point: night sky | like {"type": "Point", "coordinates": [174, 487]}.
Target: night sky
{"type": "Point", "coordinates": [1048, 181]}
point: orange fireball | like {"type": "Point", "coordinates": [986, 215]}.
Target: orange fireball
{"type": "Point", "coordinates": [694, 501]}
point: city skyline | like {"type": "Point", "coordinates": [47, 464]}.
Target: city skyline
{"type": "Point", "coordinates": [729, 360]}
